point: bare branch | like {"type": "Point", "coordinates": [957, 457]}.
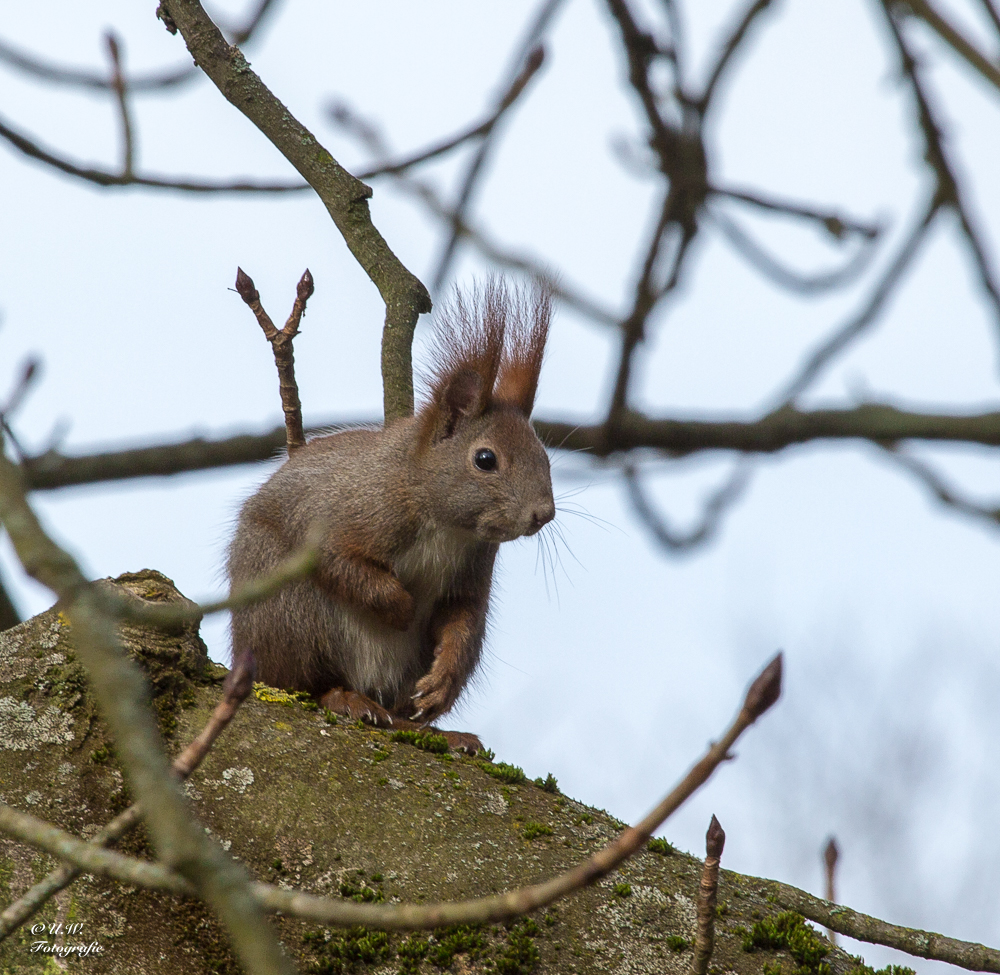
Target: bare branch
{"type": "Point", "coordinates": [955, 39]}
{"type": "Point", "coordinates": [851, 924]}
{"type": "Point", "coordinates": [729, 48]}
{"type": "Point", "coordinates": [778, 430]}
{"type": "Point", "coordinates": [281, 344]}
{"type": "Point", "coordinates": [949, 191]}
{"type": "Point", "coordinates": [103, 177]}
{"type": "Point", "coordinates": [830, 856]}
{"type": "Point", "coordinates": [716, 505]}
{"type": "Point", "coordinates": [835, 224]}
{"type": "Point", "coordinates": [937, 486]}
{"type": "Point", "coordinates": [708, 892]}
{"type": "Point", "coordinates": [476, 131]}
{"type": "Point", "coordinates": [345, 198]}
{"type": "Point", "coordinates": [527, 52]}
{"type": "Point", "coordinates": [121, 90]}
{"type": "Point", "coordinates": [858, 324]}
{"type": "Point", "coordinates": [155, 82]}
{"type": "Point", "coordinates": [770, 267]}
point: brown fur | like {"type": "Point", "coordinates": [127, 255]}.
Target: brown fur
{"type": "Point", "coordinates": [393, 620]}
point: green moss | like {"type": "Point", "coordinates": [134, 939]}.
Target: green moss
{"type": "Point", "coordinates": [788, 931]}
{"type": "Point", "coordinates": [510, 774]}
{"type": "Point", "coordinates": [532, 831]}
{"type": "Point", "coordinates": [463, 939]}
{"type": "Point", "coordinates": [355, 889]}
{"type": "Point", "coordinates": [676, 943]}
{"type": "Point", "coordinates": [622, 890]}
{"type": "Point", "coordinates": [102, 754]}
{"type": "Point", "coordinates": [329, 717]}
{"type": "Point", "coordinates": [519, 956]}
{"type": "Point", "coordinates": [411, 953]}
{"type": "Point", "coordinates": [426, 740]}
{"type": "Point", "coordinates": [661, 846]}
{"type": "Point", "coordinates": [860, 968]}
{"type": "Point", "coordinates": [548, 784]}
{"type": "Point", "coordinates": [343, 952]}
{"type": "Point", "coordinates": [585, 818]}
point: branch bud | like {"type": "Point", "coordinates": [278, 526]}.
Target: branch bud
{"type": "Point", "coordinates": [305, 287]}
{"type": "Point", "coordinates": [765, 690]}
{"type": "Point", "coordinates": [715, 839]}
{"type": "Point", "coordinates": [244, 285]}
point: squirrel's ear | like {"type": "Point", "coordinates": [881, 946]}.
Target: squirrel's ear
{"type": "Point", "coordinates": [461, 396]}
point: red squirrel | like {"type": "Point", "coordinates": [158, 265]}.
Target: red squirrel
{"type": "Point", "coordinates": [390, 626]}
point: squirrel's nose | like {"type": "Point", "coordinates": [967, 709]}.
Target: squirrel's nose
{"type": "Point", "coordinates": [542, 515]}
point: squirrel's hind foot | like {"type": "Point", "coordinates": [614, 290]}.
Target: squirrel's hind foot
{"type": "Point", "coordinates": [354, 705]}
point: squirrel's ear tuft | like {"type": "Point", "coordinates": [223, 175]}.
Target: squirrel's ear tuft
{"type": "Point", "coordinates": [529, 314]}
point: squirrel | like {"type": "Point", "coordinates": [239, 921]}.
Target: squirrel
{"type": "Point", "coordinates": [390, 626]}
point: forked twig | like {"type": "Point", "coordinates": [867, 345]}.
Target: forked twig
{"type": "Point", "coordinates": [830, 856]}
{"type": "Point", "coordinates": [281, 344]}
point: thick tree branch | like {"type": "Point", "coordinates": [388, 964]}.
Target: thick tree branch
{"type": "Point", "coordinates": [345, 198]}
{"type": "Point", "coordinates": [875, 422]}
{"type": "Point", "coordinates": [760, 696]}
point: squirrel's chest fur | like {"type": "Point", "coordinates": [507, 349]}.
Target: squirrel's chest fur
{"type": "Point", "coordinates": [387, 659]}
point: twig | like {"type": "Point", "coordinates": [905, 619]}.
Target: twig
{"type": "Point", "coordinates": [761, 695]}
{"type": "Point", "coordinates": [528, 51]}
{"type": "Point", "coordinates": [729, 48]}
{"type": "Point", "coordinates": [859, 323]}
{"type": "Point", "coordinates": [708, 891]}
{"type": "Point", "coordinates": [236, 688]}
{"type": "Point", "coordinates": [345, 198]}
{"type": "Point", "coordinates": [281, 344]}
{"type": "Point", "coordinates": [949, 191]}
{"type": "Point", "coordinates": [102, 177]}
{"type": "Point", "coordinates": [715, 507]}
{"type": "Point", "coordinates": [992, 12]}
{"type": "Point", "coordinates": [29, 373]}
{"type": "Point", "coordinates": [770, 267]}
{"type": "Point", "coordinates": [830, 856]}
{"type": "Point", "coordinates": [140, 84]}
{"type": "Point", "coordinates": [778, 430]}
{"type": "Point", "coordinates": [937, 486]}
{"type": "Point", "coordinates": [121, 693]}
{"type": "Point", "coordinates": [480, 129]}
{"type": "Point", "coordinates": [851, 924]}
{"type": "Point", "coordinates": [836, 225]}
{"type": "Point", "coordinates": [955, 39]}
{"type": "Point", "coordinates": [120, 88]}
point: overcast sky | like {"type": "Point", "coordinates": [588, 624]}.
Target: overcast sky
{"type": "Point", "coordinates": [614, 668]}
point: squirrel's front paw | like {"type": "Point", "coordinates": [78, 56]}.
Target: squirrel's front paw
{"type": "Point", "coordinates": [356, 706]}
{"type": "Point", "coordinates": [437, 691]}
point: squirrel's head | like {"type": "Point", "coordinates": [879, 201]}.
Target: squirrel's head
{"type": "Point", "coordinates": [490, 471]}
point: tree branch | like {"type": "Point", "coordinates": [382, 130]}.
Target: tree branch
{"type": "Point", "coordinates": [955, 39]}
{"type": "Point", "coordinates": [783, 428]}
{"type": "Point", "coordinates": [345, 198]}
{"type": "Point", "coordinates": [922, 944]}
{"type": "Point", "coordinates": [729, 48]}
{"type": "Point", "coordinates": [103, 177]}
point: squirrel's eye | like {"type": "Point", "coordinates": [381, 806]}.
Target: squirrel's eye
{"type": "Point", "coordinates": [486, 460]}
